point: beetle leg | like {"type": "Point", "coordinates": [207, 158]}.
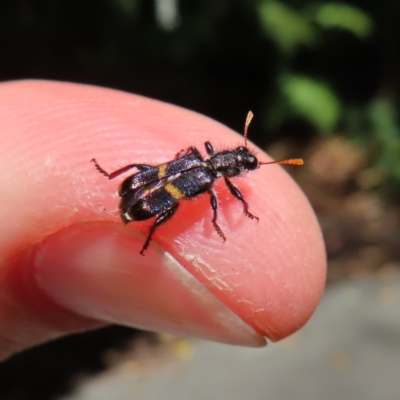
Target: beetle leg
{"type": "Point", "coordinates": [179, 153]}
{"type": "Point", "coordinates": [236, 192]}
{"type": "Point", "coordinates": [209, 148]}
{"type": "Point", "coordinates": [214, 206]}
{"type": "Point", "coordinates": [112, 175]}
{"type": "Point", "coordinates": [161, 219]}
{"type": "Point", "coordinates": [185, 152]}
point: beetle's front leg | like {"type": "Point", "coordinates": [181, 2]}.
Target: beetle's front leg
{"type": "Point", "coordinates": [236, 192]}
{"type": "Point", "coordinates": [209, 148]}
{"type": "Point", "coordinates": [214, 206]}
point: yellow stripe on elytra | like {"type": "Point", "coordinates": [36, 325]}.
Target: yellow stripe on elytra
{"type": "Point", "coordinates": [174, 191]}
{"type": "Point", "coordinates": [162, 171]}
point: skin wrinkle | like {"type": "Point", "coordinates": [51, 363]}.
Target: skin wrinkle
{"type": "Point", "coordinates": [213, 278]}
{"type": "Point", "coordinates": [205, 295]}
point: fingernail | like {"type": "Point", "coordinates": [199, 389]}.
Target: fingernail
{"type": "Point", "coordinates": [95, 270]}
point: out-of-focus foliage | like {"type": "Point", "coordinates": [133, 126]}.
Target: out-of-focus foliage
{"type": "Point", "coordinates": [312, 100]}
{"type": "Point", "coordinates": [293, 29]}
{"type": "Point", "coordinates": [385, 135]}
{"type": "Point", "coordinates": [344, 16]}
{"type": "Point", "coordinates": [286, 26]}
{"type": "Point", "coordinates": [331, 34]}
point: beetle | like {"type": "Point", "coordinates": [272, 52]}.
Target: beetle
{"type": "Point", "coordinates": [156, 191]}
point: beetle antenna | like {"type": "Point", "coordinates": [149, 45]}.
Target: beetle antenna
{"type": "Point", "coordinates": [292, 161]}
{"type": "Point", "coordinates": [249, 117]}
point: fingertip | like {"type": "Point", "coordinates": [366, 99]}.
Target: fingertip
{"type": "Point", "coordinates": [271, 274]}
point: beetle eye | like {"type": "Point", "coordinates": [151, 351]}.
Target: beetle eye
{"type": "Point", "coordinates": [251, 162]}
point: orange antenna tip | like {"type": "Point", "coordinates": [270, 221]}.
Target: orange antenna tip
{"type": "Point", "coordinates": [292, 161]}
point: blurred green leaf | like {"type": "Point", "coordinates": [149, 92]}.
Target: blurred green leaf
{"type": "Point", "coordinates": [312, 100]}
{"type": "Point", "coordinates": [383, 117]}
{"type": "Point", "coordinates": [344, 16]}
{"type": "Point", "coordinates": [386, 131]}
{"type": "Point", "coordinates": [287, 27]}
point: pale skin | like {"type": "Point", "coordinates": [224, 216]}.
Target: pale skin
{"type": "Point", "coordinates": [69, 264]}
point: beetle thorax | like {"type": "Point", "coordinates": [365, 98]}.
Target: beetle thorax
{"type": "Point", "coordinates": [232, 163]}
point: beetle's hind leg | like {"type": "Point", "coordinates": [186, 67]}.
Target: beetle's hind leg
{"type": "Point", "coordinates": [185, 152]}
{"type": "Point", "coordinates": [214, 206]}
{"type": "Point", "coordinates": [161, 219]}
{"type": "Point", "coordinates": [112, 175]}
{"type": "Point", "coordinates": [236, 192]}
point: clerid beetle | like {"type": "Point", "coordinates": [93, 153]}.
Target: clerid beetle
{"type": "Point", "coordinates": [156, 191]}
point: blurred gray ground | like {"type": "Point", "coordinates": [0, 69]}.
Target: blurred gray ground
{"type": "Point", "coordinates": [350, 349]}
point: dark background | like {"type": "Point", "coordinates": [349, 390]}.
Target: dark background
{"type": "Point", "coordinates": [217, 57]}
{"type": "Point", "coordinates": [321, 77]}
